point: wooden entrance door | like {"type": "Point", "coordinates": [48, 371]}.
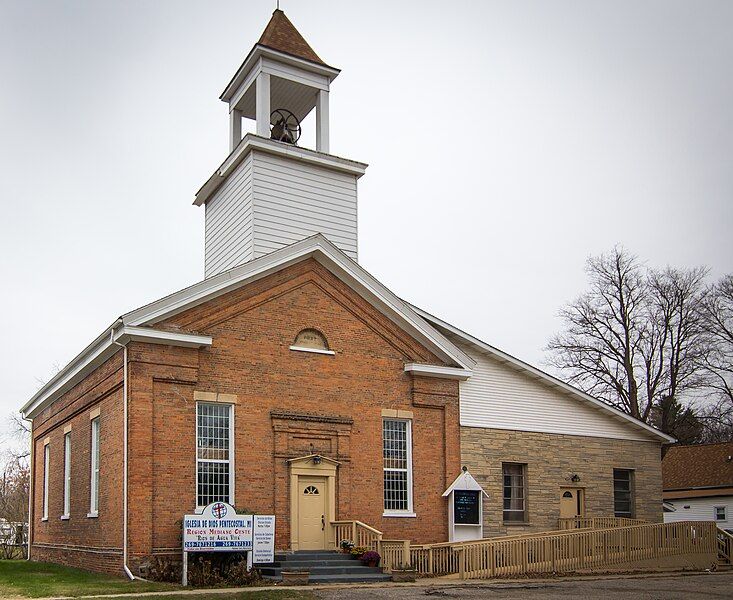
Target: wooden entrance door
{"type": "Point", "coordinates": [312, 497]}
{"type": "Point", "coordinates": [571, 503]}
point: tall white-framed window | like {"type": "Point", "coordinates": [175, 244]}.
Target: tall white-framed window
{"type": "Point", "coordinates": [94, 480]}
{"type": "Point", "coordinates": [214, 453]}
{"type": "Point", "coordinates": [46, 468]}
{"type": "Point", "coordinates": [721, 513]}
{"type": "Point", "coordinates": [67, 475]}
{"type": "Point", "coordinates": [397, 456]}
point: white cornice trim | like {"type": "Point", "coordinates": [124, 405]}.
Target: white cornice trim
{"type": "Point", "coordinates": [100, 350]}
{"type": "Point", "coordinates": [259, 51]}
{"type": "Point", "coordinates": [252, 142]}
{"type": "Point", "coordinates": [154, 336]}
{"type": "Point", "coordinates": [438, 371]}
{"type": "Point", "coordinates": [546, 377]}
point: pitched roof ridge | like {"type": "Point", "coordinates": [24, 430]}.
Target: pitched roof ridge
{"type": "Point", "coordinates": [698, 445]}
{"type": "Point", "coordinates": [280, 34]}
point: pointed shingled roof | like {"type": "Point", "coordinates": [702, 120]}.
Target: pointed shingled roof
{"type": "Point", "coordinates": [280, 34]}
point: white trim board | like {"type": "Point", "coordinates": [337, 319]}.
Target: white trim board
{"type": "Point", "coordinates": [545, 377]}
{"type": "Point", "coordinates": [251, 142]}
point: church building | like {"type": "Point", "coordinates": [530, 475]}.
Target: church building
{"type": "Point", "coordinates": [290, 381]}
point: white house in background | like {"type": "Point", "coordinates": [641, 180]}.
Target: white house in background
{"type": "Point", "coordinates": [698, 484]}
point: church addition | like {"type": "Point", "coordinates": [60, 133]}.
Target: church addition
{"type": "Point", "coordinates": [291, 382]}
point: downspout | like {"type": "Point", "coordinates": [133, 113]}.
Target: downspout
{"type": "Point", "coordinates": [124, 457]}
{"type": "Point", "coordinates": [30, 492]}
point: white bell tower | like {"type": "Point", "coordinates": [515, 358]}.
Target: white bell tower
{"type": "Point", "coordinates": [270, 192]}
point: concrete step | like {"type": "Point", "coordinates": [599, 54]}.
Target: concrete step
{"type": "Point", "coordinates": [324, 567]}
{"type": "Point", "coordinates": [341, 578]}
{"type": "Point", "coordinates": [296, 564]}
{"type": "Point", "coordinates": [313, 557]}
{"type": "Point", "coordinates": [353, 569]}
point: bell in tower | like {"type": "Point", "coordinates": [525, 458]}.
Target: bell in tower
{"type": "Point", "coordinates": [280, 82]}
{"type": "Point", "coordinates": [270, 192]}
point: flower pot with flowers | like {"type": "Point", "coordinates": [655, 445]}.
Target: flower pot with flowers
{"type": "Point", "coordinates": [357, 551]}
{"type": "Point", "coordinates": [346, 546]}
{"type": "Point", "coordinates": [370, 558]}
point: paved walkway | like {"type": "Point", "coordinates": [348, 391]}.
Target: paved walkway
{"type": "Point", "coordinates": [673, 586]}
{"type": "Point", "coordinates": [652, 587]}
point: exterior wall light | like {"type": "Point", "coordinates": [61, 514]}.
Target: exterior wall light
{"type": "Point", "coordinates": [316, 460]}
{"type": "Point", "coordinates": [575, 478]}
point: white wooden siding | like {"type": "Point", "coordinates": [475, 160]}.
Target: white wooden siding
{"type": "Point", "coordinates": [700, 509]}
{"type": "Point", "coordinates": [502, 397]}
{"type": "Point", "coordinates": [229, 227]}
{"type": "Point", "coordinates": [269, 202]}
{"type": "Point", "coordinates": [293, 200]}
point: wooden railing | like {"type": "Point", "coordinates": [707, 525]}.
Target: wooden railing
{"type": "Point", "coordinates": [563, 551]}
{"type": "Point", "coordinates": [360, 534]}
{"type": "Point", "coordinates": [725, 546]}
{"type": "Point", "coordinates": [597, 522]}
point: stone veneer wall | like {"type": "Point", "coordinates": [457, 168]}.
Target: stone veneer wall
{"type": "Point", "coordinates": [551, 460]}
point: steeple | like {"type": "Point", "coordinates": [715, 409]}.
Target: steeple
{"type": "Point", "coordinates": [282, 72]}
{"type": "Point", "coordinates": [270, 192]}
{"type": "Point", "coordinates": [281, 35]}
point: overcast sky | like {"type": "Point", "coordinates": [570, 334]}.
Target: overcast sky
{"type": "Point", "coordinates": [507, 142]}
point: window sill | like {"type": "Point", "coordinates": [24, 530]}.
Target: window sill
{"type": "Point", "coordinates": [399, 514]}
{"type": "Point", "coordinates": [92, 515]}
{"type": "Point", "coordinates": [65, 517]}
{"type": "Point", "coordinates": [44, 519]}
{"type": "Point", "coordinates": [516, 523]}
{"type": "Point", "coordinates": [313, 350]}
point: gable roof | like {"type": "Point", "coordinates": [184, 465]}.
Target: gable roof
{"type": "Point", "coordinates": [280, 34]}
{"type": "Point", "coordinates": [465, 481]}
{"type": "Point", "coordinates": [698, 467]}
{"type": "Point", "coordinates": [545, 377]}
{"type": "Point", "coordinates": [139, 323]}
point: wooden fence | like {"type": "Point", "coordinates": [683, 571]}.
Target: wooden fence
{"type": "Point", "coordinates": [725, 546]}
{"type": "Point", "coordinates": [597, 522]}
{"type": "Point", "coordinates": [563, 551]}
{"type": "Point", "coordinates": [356, 532]}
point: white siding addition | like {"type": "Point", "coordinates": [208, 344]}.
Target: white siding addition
{"type": "Point", "coordinates": [500, 396]}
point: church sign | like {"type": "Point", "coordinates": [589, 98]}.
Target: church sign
{"type": "Point", "coordinates": [466, 507]}
{"type": "Point", "coordinates": [217, 529]}
{"type": "Point", "coordinates": [264, 539]}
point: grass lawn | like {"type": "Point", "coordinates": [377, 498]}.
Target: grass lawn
{"type": "Point", "coordinates": [281, 594]}
{"type": "Point", "coordinates": [36, 580]}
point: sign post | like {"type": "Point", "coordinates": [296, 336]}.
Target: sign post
{"type": "Point", "coordinates": [220, 529]}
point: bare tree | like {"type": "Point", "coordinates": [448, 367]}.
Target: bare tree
{"type": "Point", "coordinates": [676, 298]}
{"type": "Point", "coordinates": [717, 316]}
{"type": "Point", "coordinates": [635, 340]}
{"type": "Point", "coordinates": [600, 350]}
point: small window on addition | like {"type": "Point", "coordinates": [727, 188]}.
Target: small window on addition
{"type": "Point", "coordinates": [720, 513]}
{"type": "Point", "coordinates": [311, 340]}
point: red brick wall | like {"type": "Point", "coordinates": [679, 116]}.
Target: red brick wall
{"type": "Point", "coordinates": [343, 394]}
{"type": "Point", "coordinates": [81, 541]}
{"type": "Point", "coordinates": [334, 403]}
